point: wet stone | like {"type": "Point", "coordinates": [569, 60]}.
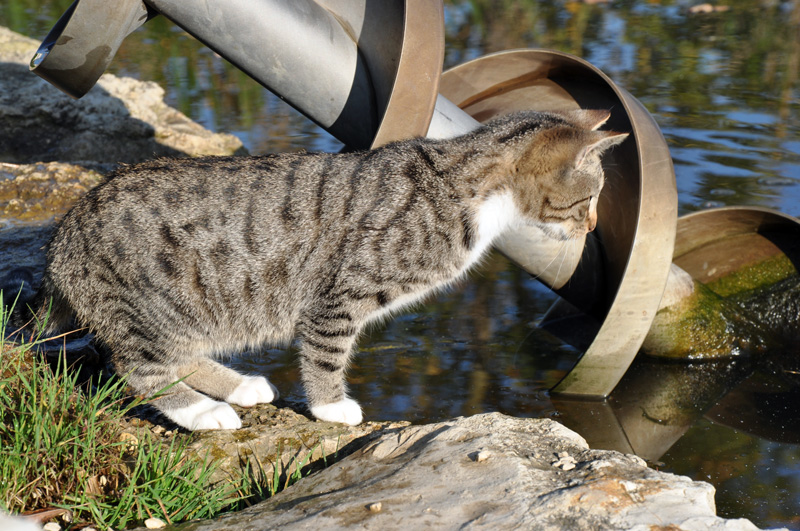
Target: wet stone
{"type": "Point", "coordinates": [42, 192]}
{"type": "Point", "coordinates": [32, 197]}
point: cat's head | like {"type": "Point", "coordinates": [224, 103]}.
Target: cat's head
{"type": "Point", "coordinates": [557, 174]}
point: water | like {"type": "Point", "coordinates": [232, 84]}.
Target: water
{"type": "Point", "coordinates": [724, 89]}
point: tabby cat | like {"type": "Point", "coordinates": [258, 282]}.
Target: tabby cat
{"type": "Point", "coordinates": [174, 263]}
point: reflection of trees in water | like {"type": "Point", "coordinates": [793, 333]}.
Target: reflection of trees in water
{"type": "Point", "coordinates": [684, 54]}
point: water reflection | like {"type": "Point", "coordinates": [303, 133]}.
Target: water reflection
{"type": "Point", "coordinates": [724, 89]}
{"type": "Point", "coordinates": [653, 406]}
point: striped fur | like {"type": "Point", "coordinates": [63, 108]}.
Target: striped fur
{"type": "Point", "coordinates": [173, 263]}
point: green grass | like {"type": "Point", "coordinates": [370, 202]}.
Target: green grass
{"type": "Point", "coordinates": [259, 482]}
{"type": "Point", "coordinates": [62, 445]}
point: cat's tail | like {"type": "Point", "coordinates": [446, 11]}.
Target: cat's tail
{"type": "Point", "coordinates": [28, 313]}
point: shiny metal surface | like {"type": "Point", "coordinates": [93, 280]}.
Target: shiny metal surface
{"type": "Point", "coordinates": [83, 42]}
{"type": "Point", "coordinates": [297, 49]}
{"type": "Point", "coordinates": [636, 213]}
{"type": "Point", "coordinates": [449, 120]}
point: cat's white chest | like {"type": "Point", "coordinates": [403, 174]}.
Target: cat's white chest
{"type": "Point", "coordinates": [494, 217]}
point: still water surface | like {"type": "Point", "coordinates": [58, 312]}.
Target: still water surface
{"type": "Point", "coordinates": [724, 89]}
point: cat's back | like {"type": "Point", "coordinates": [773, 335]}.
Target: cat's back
{"type": "Point", "coordinates": [195, 198]}
{"type": "Point", "coordinates": [166, 187]}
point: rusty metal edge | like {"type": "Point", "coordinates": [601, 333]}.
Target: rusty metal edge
{"type": "Point", "coordinates": [416, 85]}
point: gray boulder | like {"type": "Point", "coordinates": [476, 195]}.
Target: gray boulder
{"type": "Point", "coordinates": [121, 120]}
{"type": "Point", "coordinates": [488, 471]}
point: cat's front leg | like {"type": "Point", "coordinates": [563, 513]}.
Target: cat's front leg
{"type": "Point", "coordinates": [326, 343]}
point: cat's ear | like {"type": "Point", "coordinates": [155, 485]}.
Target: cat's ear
{"type": "Point", "coordinates": [591, 119]}
{"type": "Point", "coordinates": [603, 140]}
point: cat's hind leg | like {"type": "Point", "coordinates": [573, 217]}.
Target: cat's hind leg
{"type": "Point", "coordinates": [203, 414]}
{"type": "Point", "coordinates": [177, 400]}
{"type": "Point", "coordinates": [175, 389]}
{"type": "Point", "coordinates": [218, 381]}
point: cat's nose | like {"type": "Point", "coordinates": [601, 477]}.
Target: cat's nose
{"type": "Point", "coordinates": [591, 222]}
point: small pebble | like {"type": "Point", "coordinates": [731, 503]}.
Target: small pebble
{"type": "Point", "coordinates": [479, 456]}
{"type": "Point", "coordinates": [154, 523]}
{"type": "Point", "coordinates": [565, 461]}
{"type": "Point", "coordinates": [375, 507]}
{"type": "Point", "coordinates": [567, 466]}
{"type": "Point", "coordinates": [52, 526]}
{"type": "Point", "coordinates": [128, 438]}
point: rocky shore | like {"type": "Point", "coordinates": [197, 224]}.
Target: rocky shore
{"type": "Point", "coordinates": [488, 471]}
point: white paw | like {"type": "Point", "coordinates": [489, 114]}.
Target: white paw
{"type": "Point", "coordinates": [253, 390]}
{"type": "Point", "coordinates": [206, 414]}
{"type": "Point", "coordinates": [346, 410]}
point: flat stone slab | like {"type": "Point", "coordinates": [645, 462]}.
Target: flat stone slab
{"type": "Point", "coordinates": [488, 471]}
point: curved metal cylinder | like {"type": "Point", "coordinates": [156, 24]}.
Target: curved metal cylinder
{"type": "Point", "coordinates": [637, 210]}
{"type": "Point", "coordinates": [713, 243]}
{"type": "Point", "coordinates": [297, 49]}
{"type": "Point", "coordinates": [83, 42]}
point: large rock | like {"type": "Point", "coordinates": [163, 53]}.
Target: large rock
{"type": "Point", "coordinates": [119, 120]}
{"type": "Point", "coordinates": [488, 471]}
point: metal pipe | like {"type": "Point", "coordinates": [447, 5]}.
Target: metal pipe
{"type": "Point", "coordinates": [83, 42]}
{"type": "Point", "coordinates": [449, 120]}
{"type": "Point", "coordinates": [297, 49]}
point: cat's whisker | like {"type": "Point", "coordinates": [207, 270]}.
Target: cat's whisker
{"type": "Point", "coordinates": [565, 254]}
{"type": "Point", "coordinates": [528, 266]}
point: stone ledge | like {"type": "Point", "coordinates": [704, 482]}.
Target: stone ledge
{"type": "Point", "coordinates": [488, 471]}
